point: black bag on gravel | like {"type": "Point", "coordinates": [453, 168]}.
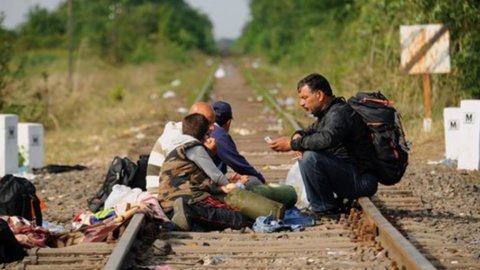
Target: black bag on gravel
{"type": "Point", "coordinates": [18, 198]}
{"type": "Point", "coordinates": [387, 134]}
{"type": "Point", "coordinates": [10, 248]}
{"type": "Point", "coordinates": [122, 171]}
{"type": "Point", "coordinates": [140, 179]}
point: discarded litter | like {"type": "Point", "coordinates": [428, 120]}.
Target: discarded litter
{"type": "Point", "coordinates": [242, 131]}
{"type": "Point", "coordinates": [220, 73]}
{"type": "Point", "coordinates": [168, 94]}
{"type": "Point", "coordinates": [53, 228]}
{"type": "Point", "coordinates": [212, 260]}
{"type": "Point", "coordinates": [182, 110]}
{"type": "Point", "coordinates": [175, 83]}
{"type": "Point", "coordinates": [443, 162]}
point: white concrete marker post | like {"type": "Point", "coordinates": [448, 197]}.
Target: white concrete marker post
{"type": "Point", "coordinates": [469, 155]}
{"type": "Point", "coordinates": [30, 141]}
{"type": "Point", "coordinates": [8, 144]}
{"type": "Point", "coordinates": [451, 124]}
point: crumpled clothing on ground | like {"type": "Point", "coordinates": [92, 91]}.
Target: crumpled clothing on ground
{"type": "Point", "coordinates": [26, 233]}
{"type": "Point", "coordinates": [145, 197]}
{"type": "Point", "coordinates": [150, 207]}
{"type": "Point", "coordinates": [100, 231]}
{"type": "Point", "coordinates": [293, 216]}
{"type": "Point", "coordinates": [87, 218]}
{"type": "Point", "coordinates": [268, 224]}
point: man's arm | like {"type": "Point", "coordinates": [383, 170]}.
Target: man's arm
{"type": "Point", "coordinates": [199, 156]}
{"type": "Point", "coordinates": [227, 151]}
{"type": "Point", "coordinates": [333, 132]}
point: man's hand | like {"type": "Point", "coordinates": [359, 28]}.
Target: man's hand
{"type": "Point", "coordinates": [228, 188]}
{"type": "Point", "coordinates": [211, 145]}
{"type": "Point", "coordinates": [238, 178]}
{"type": "Point", "coordinates": [281, 144]}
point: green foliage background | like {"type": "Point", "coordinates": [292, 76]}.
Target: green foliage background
{"type": "Point", "coordinates": [118, 30]}
{"type": "Point", "coordinates": [107, 35]}
{"type": "Point", "coordinates": [355, 43]}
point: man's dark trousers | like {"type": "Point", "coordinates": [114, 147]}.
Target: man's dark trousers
{"type": "Point", "coordinates": [324, 174]}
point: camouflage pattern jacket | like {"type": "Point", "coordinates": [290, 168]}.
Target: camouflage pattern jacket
{"type": "Point", "coordinates": [181, 177]}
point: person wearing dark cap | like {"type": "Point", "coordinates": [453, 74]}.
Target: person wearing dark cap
{"type": "Point", "coordinates": [227, 153]}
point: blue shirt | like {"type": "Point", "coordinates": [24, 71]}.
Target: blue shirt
{"type": "Point", "coordinates": [227, 155]}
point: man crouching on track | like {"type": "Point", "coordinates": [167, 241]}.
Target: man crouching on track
{"type": "Point", "coordinates": [335, 151]}
{"type": "Point", "coordinates": [189, 179]}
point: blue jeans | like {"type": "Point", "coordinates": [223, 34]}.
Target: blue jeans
{"type": "Point", "coordinates": [324, 174]}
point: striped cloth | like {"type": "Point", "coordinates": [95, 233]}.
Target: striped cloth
{"type": "Point", "coordinates": [171, 138]}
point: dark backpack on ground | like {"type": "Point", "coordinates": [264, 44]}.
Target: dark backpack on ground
{"type": "Point", "coordinates": [18, 198]}
{"type": "Point", "coordinates": [387, 134]}
{"type": "Point", "coordinates": [122, 171]}
{"type": "Point", "coordinates": [140, 179]}
{"type": "Point", "coordinates": [10, 248]}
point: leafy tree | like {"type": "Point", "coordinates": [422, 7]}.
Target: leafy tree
{"type": "Point", "coordinates": [361, 37]}
{"type": "Point", "coordinates": [119, 30]}
{"type": "Point", "coordinates": [42, 29]}
{"type": "Point", "coordinates": [5, 56]}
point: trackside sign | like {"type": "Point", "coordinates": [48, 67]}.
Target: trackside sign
{"type": "Point", "coordinates": [425, 49]}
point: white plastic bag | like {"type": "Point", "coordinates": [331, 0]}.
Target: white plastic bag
{"type": "Point", "coordinates": [118, 192]}
{"type": "Point", "coordinates": [294, 178]}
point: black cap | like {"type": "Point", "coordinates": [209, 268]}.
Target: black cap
{"type": "Point", "coordinates": [223, 112]}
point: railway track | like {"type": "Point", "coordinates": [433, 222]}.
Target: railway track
{"type": "Point", "coordinates": [363, 239]}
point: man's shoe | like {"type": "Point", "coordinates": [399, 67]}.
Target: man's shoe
{"type": "Point", "coordinates": [179, 217]}
{"type": "Point", "coordinates": [332, 214]}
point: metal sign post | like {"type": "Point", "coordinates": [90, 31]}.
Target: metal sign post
{"type": "Point", "coordinates": [425, 50]}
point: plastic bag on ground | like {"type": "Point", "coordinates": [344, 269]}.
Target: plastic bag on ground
{"type": "Point", "coordinates": [294, 178]}
{"type": "Point", "coordinates": [118, 192]}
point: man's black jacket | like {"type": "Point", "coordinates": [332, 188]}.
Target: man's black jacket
{"type": "Point", "coordinates": [340, 131]}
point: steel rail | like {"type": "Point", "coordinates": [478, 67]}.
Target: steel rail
{"type": "Point", "coordinates": [117, 258]}
{"type": "Point", "coordinates": [207, 86]}
{"type": "Point", "coordinates": [404, 252]}
{"type": "Point", "coordinates": [400, 249]}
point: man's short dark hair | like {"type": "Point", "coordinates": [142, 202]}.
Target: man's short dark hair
{"type": "Point", "coordinates": [195, 125]}
{"type": "Point", "coordinates": [316, 82]}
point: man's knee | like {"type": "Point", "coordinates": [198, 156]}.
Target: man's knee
{"type": "Point", "coordinates": [312, 158]}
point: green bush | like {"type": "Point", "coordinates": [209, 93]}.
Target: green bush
{"type": "Point", "coordinates": [118, 93]}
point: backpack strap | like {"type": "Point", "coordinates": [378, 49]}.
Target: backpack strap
{"type": "Point", "coordinates": [36, 209]}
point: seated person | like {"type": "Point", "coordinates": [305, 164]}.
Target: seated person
{"type": "Point", "coordinates": [227, 153]}
{"type": "Point", "coordinates": [189, 179]}
{"type": "Point", "coordinates": [170, 139]}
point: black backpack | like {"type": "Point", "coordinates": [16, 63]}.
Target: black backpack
{"type": "Point", "coordinates": [18, 198]}
{"type": "Point", "coordinates": [122, 171]}
{"type": "Point", "coordinates": [140, 178]}
{"type": "Point", "coordinates": [387, 134]}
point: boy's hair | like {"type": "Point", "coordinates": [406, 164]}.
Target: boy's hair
{"type": "Point", "coordinates": [195, 125]}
